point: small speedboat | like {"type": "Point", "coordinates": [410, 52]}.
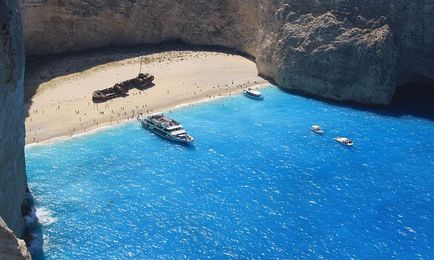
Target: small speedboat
{"type": "Point", "coordinates": [317, 129]}
{"type": "Point", "coordinates": [251, 93]}
{"type": "Point", "coordinates": [344, 140]}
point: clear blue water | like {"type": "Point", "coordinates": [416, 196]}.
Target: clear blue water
{"type": "Point", "coordinates": [256, 184]}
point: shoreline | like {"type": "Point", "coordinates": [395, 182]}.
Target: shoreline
{"type": "Point", "coordinates": [62, 108]}
{"type": "Point", "coordinates": [106, 126]}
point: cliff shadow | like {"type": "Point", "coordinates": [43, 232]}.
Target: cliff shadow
{"type": "Point", "coordinates": [43, 69]}
{"type": "Point", "coordinates": [415, 99]}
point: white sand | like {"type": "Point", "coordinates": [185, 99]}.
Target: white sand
{"type": "Point", "coordinates": [63, 106]}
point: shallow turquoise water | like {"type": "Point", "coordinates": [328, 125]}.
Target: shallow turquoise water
{"type": "Point", "coordinates": [256, 184]}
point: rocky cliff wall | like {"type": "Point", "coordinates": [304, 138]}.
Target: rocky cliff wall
{"type": "Point", "coordinates": [10, 246]}
{"type": "Point", "coordinates": [13, 183]}
{"type": "Point", "coordinates": [54, 26]}
{"type": "Point", "coordinates": [351, 50]}
{"type": "Point", "coordinates": [340, 49]}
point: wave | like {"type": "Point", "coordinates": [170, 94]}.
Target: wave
{"type": "Point", "coordinates": [40, 215]}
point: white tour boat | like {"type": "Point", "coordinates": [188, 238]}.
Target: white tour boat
{"type": "Point", "coordinates": [166, 128]}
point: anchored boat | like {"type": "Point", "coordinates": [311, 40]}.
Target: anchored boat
{"type": "Point", "coordinates": [166, 128]}
{"type": "Point", "coordinates": [317, 129]}
{"type": "Point", "coordinates": [121, 89]}
{"type": "Point", "coordinates": [344, 140]}
{"type": "Point", "coordinates": [251, 93]}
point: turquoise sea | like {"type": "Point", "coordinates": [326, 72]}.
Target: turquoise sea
{"type": "Point", "coordinates": [256, 184]}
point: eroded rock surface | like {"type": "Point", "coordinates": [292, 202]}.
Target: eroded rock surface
{"type": "Point", "coordinates": [57, 26]}
{"type": "Point", "coordinates": [10, 246]}
{"type": "Point", "coordinates": [340, 49]}
{"type": "Point", "coordinates": [13, 183]}
{"type": "Point", "coordinates": [350, 50]}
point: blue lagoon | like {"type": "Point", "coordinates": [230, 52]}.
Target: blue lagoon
{"type": "Point", "coordinates": [257, 183]}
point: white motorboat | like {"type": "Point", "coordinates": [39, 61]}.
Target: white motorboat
{"type": "Point", "coordinates": [251, 93]}
{"type": "Point", "coordinates": [166, 128]}
{"type": "Point", "coordinates": [344, 140]}
{"type": "Point", "coordinates": [317, 129]}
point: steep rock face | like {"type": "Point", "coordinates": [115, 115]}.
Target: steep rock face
{"type": "Point", "coordinates": [350, 50]}
{"type": "Point", "coordinates": [413, 26]}
{"type": "Point", "coordinates": [341, 49]}
{"type": "Point", "coordinates": [13, 183]}
{"type": "Point", "coordinates": [10, 246]}
{"type": "Point", "coordinates": [329, 52]}
{"type": "Point", "coordinates": [54, 26]}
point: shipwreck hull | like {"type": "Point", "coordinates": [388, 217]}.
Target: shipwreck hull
{"type": "Point", "coordinates": [121, 89]}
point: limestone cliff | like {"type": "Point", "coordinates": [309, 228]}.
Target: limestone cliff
{"type": "Point", "coordinates": [341, 49]}
{"type": "Point", "coordinates": [10, 246]}
{"type": "Point", "coordinates": [348, 49]}
{"type": "Point", "coordinates": [53, 26]}
{"type": "Point", "coordinates": [13, 183]}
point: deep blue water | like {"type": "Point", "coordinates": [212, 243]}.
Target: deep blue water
{"type": "Point", "coordinates": [256, 184]}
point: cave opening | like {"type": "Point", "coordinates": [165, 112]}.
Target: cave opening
{"type": "Point", "coordinates": [416, 99]}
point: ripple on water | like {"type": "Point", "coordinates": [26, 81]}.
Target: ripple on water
{"type": "Point", "coordinates": [257, 184]}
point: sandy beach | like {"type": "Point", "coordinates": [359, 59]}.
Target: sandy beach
{"type": "Point", "coordinates": [62, 105]}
